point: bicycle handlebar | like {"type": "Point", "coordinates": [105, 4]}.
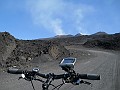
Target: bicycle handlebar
{"type": "Point", "coordinates": [15, 71]}
{"type": "Point", "coordinates": [89, 76]}
{"type": "Point", "coordinates": [81, 76]}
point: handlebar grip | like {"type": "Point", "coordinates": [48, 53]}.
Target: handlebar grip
{"type": "Point", "coordinates": [90, 76]}
{"type": "Point", "coordinates": [18, 71]}
{"type": "Point", "coordinates": [15, 71]}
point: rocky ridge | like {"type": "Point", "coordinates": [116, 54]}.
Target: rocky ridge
{"type": "Point", "coordinates": [14, 52]}
{"type": "Point", "coordinates": [22, 53]}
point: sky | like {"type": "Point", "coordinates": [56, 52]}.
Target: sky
{"type": "Point", "coordinates": [34, 19]}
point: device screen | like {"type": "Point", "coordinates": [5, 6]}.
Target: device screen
{"type": "Point", "coordinates": [68, 60]}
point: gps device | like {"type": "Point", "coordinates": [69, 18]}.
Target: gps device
{"type": "Point", "coordinates": [68, 63]}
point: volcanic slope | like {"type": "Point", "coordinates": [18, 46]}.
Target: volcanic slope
{"type": "Point", "coordinates": [105, 63]}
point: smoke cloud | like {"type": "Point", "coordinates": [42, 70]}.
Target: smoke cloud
{"type": "Point", "coordinates": [58, 16]}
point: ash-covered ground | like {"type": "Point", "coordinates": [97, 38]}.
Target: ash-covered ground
{"type": "Point", "coordinates": [98, 53]}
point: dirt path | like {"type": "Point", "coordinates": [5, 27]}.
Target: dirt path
{"type": "Point", "coordinates": [104, 63]}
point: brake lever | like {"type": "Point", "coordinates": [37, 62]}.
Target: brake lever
{"type": "Point", "coordinates": [88, 83]}
{"type": "Point", "coordinates": [28, 78]}
{"type": "Point", "coordinates": [85, 82]}
{"type": "Point", "coordinates": [22, 77]}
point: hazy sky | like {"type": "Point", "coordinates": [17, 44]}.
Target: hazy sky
{"type": "Point", "coordinates": [33, 19]}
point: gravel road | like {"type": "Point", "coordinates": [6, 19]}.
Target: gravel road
{"type": "Point", "coordinates": [107, 64]}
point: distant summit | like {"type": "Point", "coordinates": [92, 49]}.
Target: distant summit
{"type": "Point", "coordinates": [100, 33]}
{"type": "Point", "coordinates": [79, 34]}
{"type": "Point", "coordinates": [67, 36]}
{"type": "Point", "coordinates": [63, 36]}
